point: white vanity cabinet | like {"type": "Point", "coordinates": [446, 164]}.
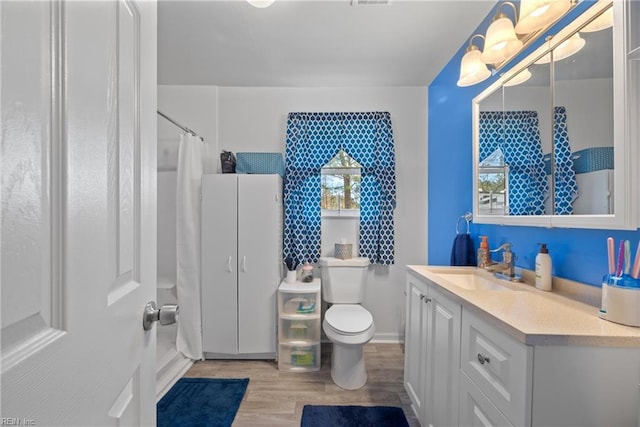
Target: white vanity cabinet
{"type": "Point", "coordinates": [515, 358]}
{"type": "Point", "coordinates": [432, 353]}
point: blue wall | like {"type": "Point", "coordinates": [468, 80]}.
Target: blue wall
{"type": "Point", "coordinates": [578, 254]}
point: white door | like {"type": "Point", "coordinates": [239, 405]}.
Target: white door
{"type": "Point", "coordinates": [415, 344]}
{"type": "Point", "coordinates": [443, 360]}
{"type": "Point", "coordinates": [259, 237]}
{"type": "Point", "coordinates": [220, 263]}
{"type": "Point", "coordinates": [78, 85]}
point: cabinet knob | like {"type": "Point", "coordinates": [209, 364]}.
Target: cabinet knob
{"type": "Point", "coordinates": [426, 300]}
{"type": "Point", "coordinates": [422, 296]}
{"type": "Point", "coordinates": [482, 359]}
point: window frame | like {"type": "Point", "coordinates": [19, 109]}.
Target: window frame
{"type": "Point", "coordinates": [340, 213]}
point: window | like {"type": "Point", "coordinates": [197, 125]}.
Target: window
{"type": "Point", "coordinates": [340, 186]}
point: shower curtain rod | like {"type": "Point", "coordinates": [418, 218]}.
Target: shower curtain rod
{"type": "Point", "coordinates": [184, 128]}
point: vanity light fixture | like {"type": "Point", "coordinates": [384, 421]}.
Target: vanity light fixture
{"type": "Point", "coordinates": [501, 41]}
{"type": "Point", "coordinates": [261, 4]}
{"type": "Point", "coordinates": [472, 69]}
{"type": "Point", "coordinates": [536, 14]}
{"type": "Point", "coordinates": [521, 77]}
{"type": "Point", "coordinates": [564, 50]}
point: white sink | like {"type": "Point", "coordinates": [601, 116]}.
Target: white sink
{"type": "Point", "coordinates": [473, 281]}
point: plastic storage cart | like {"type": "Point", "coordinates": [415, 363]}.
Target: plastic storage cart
{"type": "Point", "coordinates": [299, 326]}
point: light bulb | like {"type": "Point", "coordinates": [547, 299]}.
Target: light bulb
{"type": "Point", "coordinates": [472, 69]}
{"type": "Point", "coordinates": [501, 41]}
{"type": "Point", "coordinates": [537, 14]}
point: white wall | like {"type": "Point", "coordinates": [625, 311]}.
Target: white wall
{"type": "Point", "coordinates": [194, 107]}
{"type": "Point", "coordinates": [254, 119]}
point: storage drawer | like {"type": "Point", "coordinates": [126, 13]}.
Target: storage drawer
{"type": "Point", "coordinates": [299, 356]}
{"type": "Point", "coordinates": [299, 328]}
{"type": "Point", "coordinates": [475, 407]}
{"type": "Point", "coordinates": [298, 303]}
{"type": "Point", "coordinates": [499, 365]}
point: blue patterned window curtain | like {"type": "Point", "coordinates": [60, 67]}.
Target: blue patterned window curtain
{"type": "Point", "coordinates": [566, 188]}
{"type": "Point", "coordinates": [312, 140]}
{"type": "Point", "coordinates": [517, 135]}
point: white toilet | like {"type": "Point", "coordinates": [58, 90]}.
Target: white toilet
{"type": "Point", "coordinates": [347, 324]}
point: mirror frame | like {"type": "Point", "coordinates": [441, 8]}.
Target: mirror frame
{"type": "Point", "coordinates": [625, 201]}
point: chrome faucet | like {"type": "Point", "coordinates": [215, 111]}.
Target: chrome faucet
{"type": "Point", "coordinates": [507, 266]}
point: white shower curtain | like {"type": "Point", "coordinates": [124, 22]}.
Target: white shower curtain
{"type": "Point", "coordinates": [190, 169]}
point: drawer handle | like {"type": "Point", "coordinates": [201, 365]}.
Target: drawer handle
{"type": "Point", "coordinates": [482, 359]}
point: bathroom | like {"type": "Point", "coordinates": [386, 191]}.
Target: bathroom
{"type": "Point", "coordinates": [433, 133]}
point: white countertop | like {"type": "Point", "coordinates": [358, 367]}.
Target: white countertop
{"type": "Point", "coordinates": [535, 317]}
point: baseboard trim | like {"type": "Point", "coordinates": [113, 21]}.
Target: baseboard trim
{"type": "Point", "coordinates": [387, 339]}
{"type": "Point", "coordinates": [377, 339]}
{"type": "Point", "coordinates": [171, 375]}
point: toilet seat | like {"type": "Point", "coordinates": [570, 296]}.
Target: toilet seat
{"type": "Point", "coordinates": [348, 319]}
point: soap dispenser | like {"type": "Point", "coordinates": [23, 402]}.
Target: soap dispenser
{"type": "Point", "coordinates": [543, 268]}
{"type": "Point", "coordinates": [483, 252]}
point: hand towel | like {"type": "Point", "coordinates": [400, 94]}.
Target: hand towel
{"type": "Point", "coordinates": [463, 252]}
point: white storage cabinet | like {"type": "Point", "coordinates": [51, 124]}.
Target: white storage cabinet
{"type": "Point", "coordinates": [241, 264]}
{"type": "Point", "coordinates": [299, 326]}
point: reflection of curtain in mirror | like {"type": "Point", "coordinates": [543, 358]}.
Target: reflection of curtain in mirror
{"type": "Point", "coordinates": [566, 189]}
{"type": "Point", "coordinates": [517, 135]}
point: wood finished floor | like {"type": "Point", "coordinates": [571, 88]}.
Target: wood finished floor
{"type": "Point", "coordinates": [276, 398]}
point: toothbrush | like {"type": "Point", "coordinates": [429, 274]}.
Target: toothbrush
{"type": "Point", "coordinates": [620, 258]}
{"type": "Point", "coordinates": [610, 246]}
{"type": "Point", "coordinates": [627, 257]}
{"type": "Point", "coordinates": [635, 271]}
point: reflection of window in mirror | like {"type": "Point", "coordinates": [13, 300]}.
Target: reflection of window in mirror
{"type": "Point", "coordinates": [341, 186]}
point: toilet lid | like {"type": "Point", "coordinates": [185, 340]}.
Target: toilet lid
{"type": "Point", "coordinates": [348, 318]}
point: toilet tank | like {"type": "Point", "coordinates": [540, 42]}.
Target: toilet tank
{"type": "Point", "coordinates": [343, 280]}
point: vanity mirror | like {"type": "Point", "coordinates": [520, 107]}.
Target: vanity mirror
{"type": "Point", "coordinates": [549, 135]}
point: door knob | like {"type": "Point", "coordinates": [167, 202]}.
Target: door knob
{"type": "Point", "coordinates": [166, 315]}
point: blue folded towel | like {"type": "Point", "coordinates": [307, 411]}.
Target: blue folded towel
{"type": "Point", "coordinates": [463, 252]}
{"type": "Point", "coordinates": [260, 163]}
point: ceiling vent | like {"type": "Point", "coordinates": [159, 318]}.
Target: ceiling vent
{"type": "Point", "coordinates": [357, 3]}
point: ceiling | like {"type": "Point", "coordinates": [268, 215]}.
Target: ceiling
{"type": "Point", "coordinates": [306, 43]}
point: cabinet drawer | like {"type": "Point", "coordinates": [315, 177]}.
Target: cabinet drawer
{"type": "Point", "coordinates": [500, 366]}
{"type": "Point", "coordinates": [476, 409]}
{"type": "Point", "coordinates": [298, 303]}
{"type": "Point", "coordinates": [301, 357]}
{"type": "Point", "coordinates": [299, 328]}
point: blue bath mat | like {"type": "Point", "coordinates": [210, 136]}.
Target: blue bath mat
{"type": "Point", "coordinates": [201, 402]}
{"type": "Point", "coordinates": [353, 416]}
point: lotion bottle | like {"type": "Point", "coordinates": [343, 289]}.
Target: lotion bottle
{"type": "Point", "coordinates": [543, 268]}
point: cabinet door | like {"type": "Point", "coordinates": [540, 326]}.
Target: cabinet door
{"type": "Point", "coordinates": [443, 360]}
{"type": "Point", "coordinates": [259, 240]}
{"type": "Point", "coordinates": [415, 343]}
{"type": "Point", "coordinates": [219, 264]}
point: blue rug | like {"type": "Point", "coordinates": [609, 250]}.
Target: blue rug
{"type": "Point", "coordinates": [201, 402]}
{"type": "Point", "coordinates": [353, 416]}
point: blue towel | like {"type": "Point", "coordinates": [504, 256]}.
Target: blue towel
{"type": "Point", "coordinates": [463, 252]}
